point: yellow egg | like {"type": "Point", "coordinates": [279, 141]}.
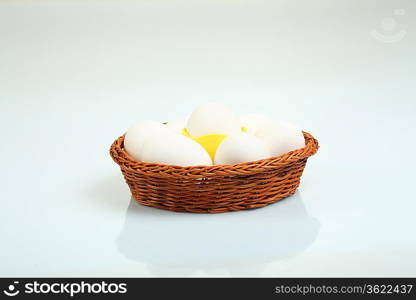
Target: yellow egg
{"type": "Point", "coordinates": [210, 142]}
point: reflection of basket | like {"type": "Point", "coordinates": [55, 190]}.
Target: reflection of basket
{"type": "Point", "coordinates": [214, 189]}
{"type": "Point", "coordinates": [171, 243]}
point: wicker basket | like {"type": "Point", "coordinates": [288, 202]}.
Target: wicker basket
{"type": "Point", "coordinates": [214, 189]}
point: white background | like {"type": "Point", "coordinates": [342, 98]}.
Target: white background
{"type": "Point", "coordinates": [75, 74]}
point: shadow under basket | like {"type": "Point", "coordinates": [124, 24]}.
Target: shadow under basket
{"type": "Point", "coordinates": [214, 189]}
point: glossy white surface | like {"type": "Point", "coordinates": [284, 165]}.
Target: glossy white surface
{"type": "Point", "coordinates": [74, 75]}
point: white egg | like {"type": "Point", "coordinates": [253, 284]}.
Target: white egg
{"type": "Point", "coordinates": [174, 149]}
{"type": "Point", "coordinates": [241, 147]}
{"type": "Point", "coordinates": [178, 125]}
{"type": "Point", "coordinates": [135, 136]}
{"type": "Point", "coordinates": [253, 122]}
{"type": "Point", "coordinates": [212, 118]}
{"type": "Point", "coordinates": [281, 137]}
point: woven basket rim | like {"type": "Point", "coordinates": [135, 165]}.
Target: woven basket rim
{"type": "Point", "coordinates": [125, 161]}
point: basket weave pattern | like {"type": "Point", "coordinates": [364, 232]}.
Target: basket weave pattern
{"type": "Point", "coordinates": [214, 189]}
